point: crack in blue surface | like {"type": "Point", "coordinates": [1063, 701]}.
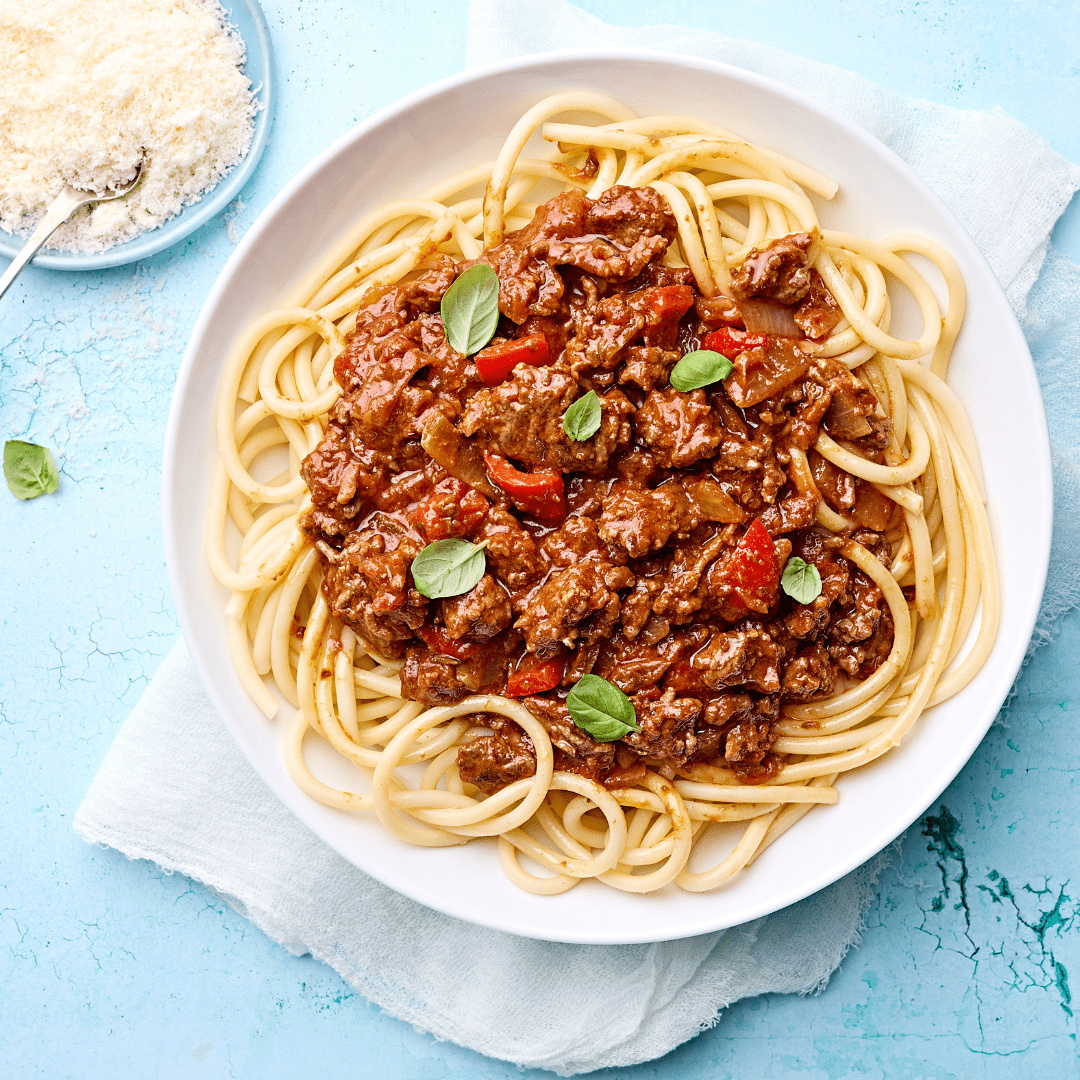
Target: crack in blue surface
{"type": "Point", "coordinates": [1041, 969]}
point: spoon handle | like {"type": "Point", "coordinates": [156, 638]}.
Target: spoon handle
{"type": "Point", "coordinates": [63, 206]}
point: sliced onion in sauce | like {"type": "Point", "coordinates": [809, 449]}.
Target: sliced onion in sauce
{"type": "Point", "coordinates": [845, 420]}
{"type": "Point", "coordinates": [769, 317]}
{"type": "Point", "coordinates": [714, 502]}
{"type": "Point", "coordinates": [449, 448]}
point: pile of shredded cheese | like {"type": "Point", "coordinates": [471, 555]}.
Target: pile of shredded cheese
{"type": "Point", "coordinates": [88, 86]}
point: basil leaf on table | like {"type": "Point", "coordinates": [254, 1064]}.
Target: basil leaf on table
{"type": "Point", "coordinates": [701, 368]}
{"type": "Point", "coordinates": [470, 309]}
{"type": "Point", "coordinates": [600, 709]}
{"type": "Point", "coordinates": [801, 580]}
{"type": "Point", "coordinates": [449, 568]}
{"type": "Point", "coordinates": [582, 420]}
{"type": "Point", "coordinates": [29, 469]}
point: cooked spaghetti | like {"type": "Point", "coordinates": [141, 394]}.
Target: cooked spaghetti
{"type": "Point", "coordinates": [774, 563]}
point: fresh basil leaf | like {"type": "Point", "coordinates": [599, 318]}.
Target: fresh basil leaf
{"type": "Point", "coordinates": [582, 420]}
{"type": "Point", "coordinates": [449, 568]}
{"type": "Point", "coordinates": [29, 469]}
{"type": "Point", "coordinates": [701, 368]}
{"type": "Point", "coordinates": [470, 309]}
{"type": "Point", "coordinates": [801, 580]}
{"type": "Point", "coordinates": [600, 709]}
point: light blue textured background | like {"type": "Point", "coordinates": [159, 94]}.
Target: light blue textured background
{"type": "Point", "coordinates": [110, 968]}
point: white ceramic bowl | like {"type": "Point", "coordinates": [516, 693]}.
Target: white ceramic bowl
{"type": "Point", "coordinates": [461, 122]}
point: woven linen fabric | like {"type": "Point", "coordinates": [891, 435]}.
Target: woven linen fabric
{"type": "Point", "coordinates": [506, 996]}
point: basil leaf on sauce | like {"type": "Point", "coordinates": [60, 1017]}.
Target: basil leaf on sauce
{"type": "Point", "coordinates": [600, 709]}
{"type": "Point", "coordinates": [801, 580]}
{"type": "Point", "coordinates": [582, 420]}
{"type": "Point", "coordinates": [701, 368]}
{"type": "Point", "coordinates": [470, 309]}
{"type": "Point", "coordinates": [449, 568]}
{"type": "Point", "coordinates": [29, 469]}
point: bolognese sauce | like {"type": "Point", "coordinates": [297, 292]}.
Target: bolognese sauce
{"type": "Point", "coordinates": [650, 553]}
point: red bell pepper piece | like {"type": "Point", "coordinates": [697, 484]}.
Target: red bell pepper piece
{"type": "Point", "coordinates": [539, 493]}
{"type": "Point", "coordinates": [440, 642]}
{"type": "Point", "coordinates": [752, 570]}
{"type": "Point", "coordinates": [729, 342]}
{"type": "Point", "coordinates": [496, 362]}
{"type": "Point", "coordinates": [668, 302]}
{"type": "Point", "coordinates": [534, 676]}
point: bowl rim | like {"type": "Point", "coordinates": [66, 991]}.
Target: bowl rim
{"type": "Point", "coordinates": [260, 57]}
{"type": "Point", "coordinates": [709, 918]}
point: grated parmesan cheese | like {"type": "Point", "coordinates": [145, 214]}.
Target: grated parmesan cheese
{"type": "Point", "coordinates": [87, 86]}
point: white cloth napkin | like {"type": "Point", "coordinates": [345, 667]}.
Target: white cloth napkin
{"type": "Point", "coordinates": [505, 996]}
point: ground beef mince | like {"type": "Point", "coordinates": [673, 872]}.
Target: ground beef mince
{"type": "Point", "coordinates": [637, 577]}
{"type": "Point", "coordinates": [778, 271]}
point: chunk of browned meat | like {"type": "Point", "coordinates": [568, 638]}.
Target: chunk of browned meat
{"type": "Point", "coordinates": [860, 618]}
{"type": "Point", "coordinates": [820, 548]}
{"type": "Point", "coordinates": [778, 271]}
{"type": "Point", "coordinates": [749, 740]}
{"type": "Point", "coordinates": [829, 389]}
{"type": "Point", "coordinates": [580, 601]}
{"type": "Point", "coordinates": [575, 750]}
{"type": "Point", "coordinates": [342, 479]}
{"type": "Point", "coordinates": [493, 761]}
{"type": "Point", "coordinates": [717, 311]}
{"type": "Point", "coordinates": [809, 675]}
{"type": "Point", "coordinates": [727, 708]}
{"type": "Point", "coordinates": [679, 428]}
{"type": "Point", "coordinates": [522, 419]}
{"type": "Point", "coordinates": [529, 285]}
{"type": "Point", "coordinates": [627, 214]}
{"type": "Point", "coordinates": [675, 593]}
{"type": "Point", "coordinates": [606, 329]}
{"type": "Point", "coordinates": [787, 515]}
{"type": "Point", "coordinates": [636, 229]}
{"type": "Point", "coordinates": [511, 552]}
{"type": "Point", "coordinates": [749, 658]}
{"type": "Point", "coordinates": [641, 521]}
{"type": "Point", "coordinates": [578, 540]}
{"type": "Point", "coordinates": [758, 772]}
{"type": "Point", "coordinates": [384, 367]}
{"type": "Point", "coordinates": [425, 292]}
{"type": "Point", "coordinates": [818, 314]}
{"type": "Point", "coordinates": [430, 679]}
{"type": "Point", "coordinates": [667, 728]}
{"type": "Point", "coordinates": [479, 614]}
{"type": "Point", "coordinates": [602, 332]}
{"type": "Point", "coordinates": [487, 672]}
{"type": "Point", "coordinates": [368, 584]}
{"type": "Point", "coordinates": [638, 466]}
{"type": "Point", "coordinates": [379, 320]}
{"type": "Point", "coordinates": [647, 366]}
{"type": "Point", "coordinates": [861, 659]}
{"type": "Point", "coordinates": [635, 665]}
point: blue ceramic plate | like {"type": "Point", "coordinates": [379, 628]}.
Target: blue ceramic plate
{"type": "Point", "coordinates": [247, 17]}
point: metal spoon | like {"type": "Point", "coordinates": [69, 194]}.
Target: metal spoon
{"type": "Point", "coordinates": [63, 206]}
